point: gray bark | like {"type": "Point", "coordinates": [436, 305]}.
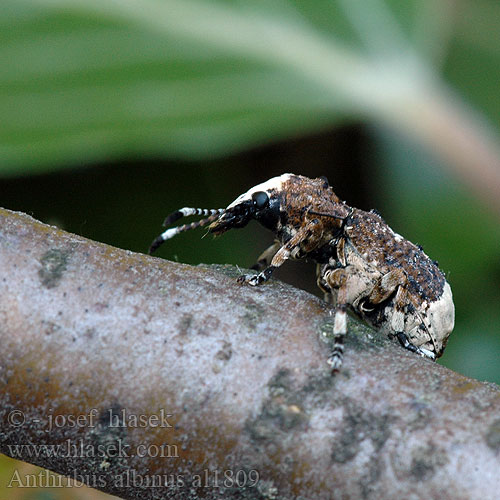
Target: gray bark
{"type": "Point", "coordinates": [112, 355]}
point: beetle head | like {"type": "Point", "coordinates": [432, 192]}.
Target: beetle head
{"type": "Point", "coordinates": [279, 202]}
{"type": "Point", "coordinates": [262, 203]}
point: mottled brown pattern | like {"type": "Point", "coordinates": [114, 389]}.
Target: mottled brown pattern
{"type": "Point", "coordinates": [300, 196]}
{"type": "Point", "coordinates": [371, 236]}
{"type": "Point", "coordinates": [378, 243]}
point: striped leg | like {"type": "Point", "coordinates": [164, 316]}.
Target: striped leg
{"type": "Point", "coordinates": [339, 332]}
{"type": "Point", "coordinates": [337, 279]}
{"type": "Point", "coordinates": [405, 342]}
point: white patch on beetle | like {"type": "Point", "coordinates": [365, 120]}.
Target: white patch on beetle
{"type": "Point", "coordinates": [276, 183]}
{"type": "Point", "coordinates": [441, 314]}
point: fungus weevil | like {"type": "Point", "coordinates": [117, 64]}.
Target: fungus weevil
{"type": "Point", "coordinates": [362, 264]}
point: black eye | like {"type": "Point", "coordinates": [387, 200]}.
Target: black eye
{"type": "Point", "coordinates": [260, 200]}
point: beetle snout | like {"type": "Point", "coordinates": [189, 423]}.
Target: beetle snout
{"type": "Point", "coordinates": [233, 217]}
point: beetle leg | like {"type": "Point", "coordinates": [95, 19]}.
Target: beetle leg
{"type": "Point", "coordinates": [327, 292]}
{"type": "Point", "coordinates": [388, 283]}
{"type": "Point", "coordinates": [405, 342]}
{"type": "Point", "coordinates": [338, 279]}
{"type": "Point", "coordinates": [266, 256]}
{"type": "Point", "coordinates": [305, 239]}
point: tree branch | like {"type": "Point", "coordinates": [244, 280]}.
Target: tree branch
{"type": "Point", "coordinates": [162, 380]}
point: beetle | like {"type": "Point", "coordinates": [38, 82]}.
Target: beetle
{"type": "Point", "coordinates": [362, 264]}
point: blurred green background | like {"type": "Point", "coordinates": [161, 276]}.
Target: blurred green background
{"type": "Point", "coordinates": [114, 113]}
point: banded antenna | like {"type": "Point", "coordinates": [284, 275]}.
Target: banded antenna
{"type": "Point", "coordinates": [210, 214]}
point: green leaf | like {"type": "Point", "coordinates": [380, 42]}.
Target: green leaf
{"type": "Point", "coordinates": [88, 80]}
